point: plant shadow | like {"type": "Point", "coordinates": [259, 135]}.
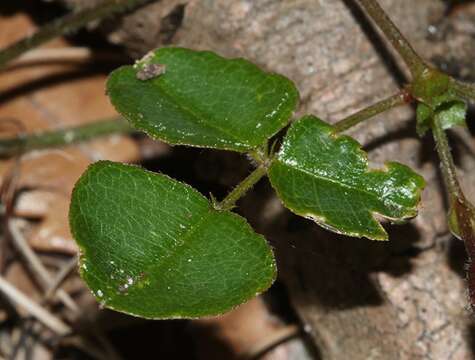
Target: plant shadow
{"type": "Point", "coordinates": [208, 171]}
{"type": "Point", "coordinates": [337, 271]}
{"type": "Point", "coordinates": [326, 268]}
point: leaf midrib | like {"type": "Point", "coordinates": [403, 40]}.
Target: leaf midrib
{"type": "Point", "coordinates": [182, 236]}
{"type": "Point", "coordinates": [341, 185]}
{"type": "Point", "coordinates": [193, 114]}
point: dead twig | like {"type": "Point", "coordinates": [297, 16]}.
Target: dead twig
{"type": "Point", "coordinates": [20, 299]}
{"type": "Point", "coordinates": [62, 275]}
{"type": "Point", "coordinates": [7, 194]}
{"type": "Point", "coordinates": [66, 55]}
{"type": "Point", "coordinates": [36, 266]}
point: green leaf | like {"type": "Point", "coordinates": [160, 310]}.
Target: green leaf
{"type": "Point", "coordinates": [325, 177]}
{"type": "Point", "coordinates": [200, 99]}
{"type": "Point", "coordinates": [424, 116]}
{"type": "Point", "coordinates": [154, 247]}
{"type": "Point", "coordinates": [449, 111]}
{"type": "Point", "coordinates": [452, 114]}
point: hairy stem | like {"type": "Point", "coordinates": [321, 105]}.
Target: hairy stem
{"type": "Point", "coordinates": [373, 110]}
{"type": "Point", "coordinates": [462, 213]}
{"type": "Point", "coordinates": [66, 24]}
{"type": "Point", "coordinates": [448, 169]}
{"type": "Point", "coordinates": [239, 191]}
{"type": "Point", "coordinates": [464, 90]}
{"type": "Point", "coordinates": [21, 144]}
{"type": "Point", "coordinates": [414, 62]}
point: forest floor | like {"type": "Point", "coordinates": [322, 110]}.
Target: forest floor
{"type": "Point", "coordinates": [336, 298]}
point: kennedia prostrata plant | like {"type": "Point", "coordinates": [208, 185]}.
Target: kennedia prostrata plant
{"type": "Point", "coordinates": [154, 247]}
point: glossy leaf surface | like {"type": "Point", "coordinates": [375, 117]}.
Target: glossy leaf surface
{"type": "Point", "coordinates": [201, 99]}
{"type": "Point", "coordinates": [325, 177]}
{"type": "Point", "coordinates": [154, 247]}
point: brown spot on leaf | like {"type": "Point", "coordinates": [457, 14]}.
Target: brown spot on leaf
{"type": "Point", "coordinates": [150, 71]}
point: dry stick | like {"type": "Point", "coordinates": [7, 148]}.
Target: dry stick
{"type": "Point", "coordinates": [53, 288]}
{"type": "Point", "coordinates": [7, 193]}
{"type": "Point", "coordinates": [19, 298]}
{"type": "Point", "coordinates": [27, 339]}
{"type": "Point", "coordinates": [67, 24]}
{"type": "Point", "coordinates": [398, 99]}
{"type": "Point", "coordinates": [37, 267]}
{"type": "Point", "coordinates": [60, 277]}
{"type": "Point", "coordinates": [67, 54]}
{"type": "Point", "coordinates": [55, 138]}
{"type": "Point", "coordinates": [110, 352]}
{"type": "Point", "coordinates": [413, 61]}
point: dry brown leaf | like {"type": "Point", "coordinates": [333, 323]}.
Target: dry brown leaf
{"type": "Point", "coordinates": [49, 96]}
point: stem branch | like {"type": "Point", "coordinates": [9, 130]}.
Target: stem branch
{"type": "Point", "coordinates": [373, 110]}
{"type": "Point", "coordinates": [20, 299]}
{"type": "Point", "coordinates": [56, 138]}
{"type": "Point", "coordinates": [463, 89]}
{"type": "Point", "coordinates": [239, 191]}
{"type": "Point", "coordinates": [66, 24]}
{"type": "Point", "coordinates": [414, 62]}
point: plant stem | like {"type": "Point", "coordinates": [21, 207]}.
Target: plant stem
{"type": "Point", "coordinates": [461, 209]}
{"type": "Point", "coordinates": [239, 191]}
{"type": "Point", "coordinates": [48, 139]}
{"type": "Point", "coordinates": [414, 62]}
{"type": "Point", "coordinates": [448, 169]}
{"type": "Point", "coordinates": [373, 110]}
{"type": "Point", "coordinates": [462, 89]}
{"type": "Point", "coordinates": [67, 24]}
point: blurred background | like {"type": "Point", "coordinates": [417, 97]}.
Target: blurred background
{"type": "Point", "coordinates": [336, 297]}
